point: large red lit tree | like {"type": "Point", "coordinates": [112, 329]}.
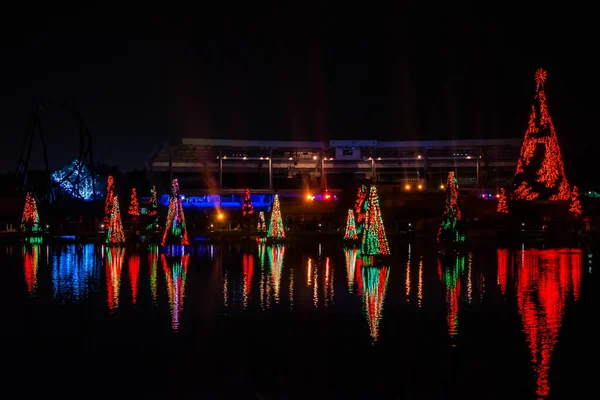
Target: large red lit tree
{"type": "Point", "coordinates": [110, 197]}
{"type": "Point", "coordinates": [540, 172]}
{"type": "Point", "coordinates": [115, 234]}
{"type": "Point", "coordinates": [175, 228]}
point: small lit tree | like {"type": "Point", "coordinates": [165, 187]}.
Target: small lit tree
{"type": "Point", "coordinates": [351, 233]}
{"type": "Point", "coordinates": [153, 202]}
{"type": "Point", "coordinates": [247, 208]}
{"type": "Point", "coordinates": [374, 239]}
{"type": "Point", "coordinates": [134, 205]}
{"type": "Point", "coordinates": [175, 225]}
{"type": "Point", "coordinates": [575, 202]}
{"type": "Point", "coordinates": [110, 198]}
{"type": "Point", "coordinates": [502, 206]}
{"type": "Point", "coordinates": [30, 222]}
{"type": "Point", "coordinates": [450, 229]}
{"type": "Point", "coordinates": [276, 229]}
{"type": "Point", "coordinates": [261, 225]}
{"type": "Point", "coordinates": [115, 234]}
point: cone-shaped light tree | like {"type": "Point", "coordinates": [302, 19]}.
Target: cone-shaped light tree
{"type": "Point", "coordinates": [351, 233]}
{"type": "Point", "coordinates": [153, 202]}
{"type": "Point", "coordinates": [360, 208]}
{"type": "Point", "coordinates": [261, 225]}
{"type": "Point", "coordinates": [276, 229]}
{"type": "Point", "coordinates": [30, 222]}
{"type": "Point", "coordinates": [540, 172]}
{"type": "Point", "coordinates": [175, 227]}
{"type": "Point", "coordinates": [247, 208]}
{"type": "Point", "coordinates": [575, 202]}
{"type": "Point", "coordinates": [450, 229]}
{"type": "Point", "coordinates": [115, 234]}
{"type": "Point", "coordinates": [374, 239]}
{"type": "Point", "coordinates": [502, 206]}
{"type": "Point", "coordinates": [110, 198]}
{"type": "Point", "coordinates": [134, 205]}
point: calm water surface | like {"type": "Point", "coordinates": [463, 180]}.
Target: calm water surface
{"type": "Point", "coordinates": [305, 320]}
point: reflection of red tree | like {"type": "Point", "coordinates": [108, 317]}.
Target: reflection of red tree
{"type": "Point", "coordinates": [31, 263]}
{"type": "Point", "coordinates": [114, 265]}
{"type": "Point", "coordinates": [375, 280]}
{"type": "Point", "coordinates": [544, 279]}
{"type": "Point", "coordinates": [248, 266]}
{"type": "Point", "coordinates": [134, 273]}
{"type": "Point", "coordinates": [502, 268]}
{"type": "Point", "coordinates": [175, 276]}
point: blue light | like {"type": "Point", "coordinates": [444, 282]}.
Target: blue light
{"type": "Point", "coordinates": [66, 177]}
{"type": "Point", "coordinates": [75, 272]}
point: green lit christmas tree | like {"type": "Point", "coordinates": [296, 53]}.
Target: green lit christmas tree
{"type": "Point", "coordinates": [374, 239]}
{"type": "Point", "coordinates": [450, 229]}
{"type": "Point", "coordinates": [175, 228]}
{"type": "Point", "coordinates": [351, 232]}
{"type": "Point", "coordinates": [276, 229]}
{"type": "Point", "coordinates": [115, 234]}
{"type": "Point", "coordinates": [153, 209]}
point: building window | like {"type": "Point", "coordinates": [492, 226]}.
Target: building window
{"type": "Point", "coordinates": [348, 152]}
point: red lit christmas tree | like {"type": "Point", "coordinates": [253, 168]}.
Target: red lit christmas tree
{"type": "Point", "coordinates": [247, 208]}
{"type": "Point", "coordinates": [115, 233]}
{"type": "Point", "coordinates": [360, 208]}
{"type": "Point", "coordinates": [110, 198]}
{"type": "Point", "coordinates": [450, 229]}
{"type": "Point", "coordinates": [351, 233]}
{"type": "Point", "coordinates": [30, 222]}
{"type": "Point", "coordinates": [261, 225]}
{"type": "Point", "coordinates": [502, 206]}
{"type": "Point", "coordinates": [540, 171]}
{"type": "Point", "coordinates": [175, 228]}
{"type": "Point", "coordinates": [374, 239]}
{"type": "Point", "coordinates": [575, 203]}
{"type": "Point", "coordinates": [153, 202]}
{"type": "Point", "coordinates": [276, 229]}
{"type": "Point", "coordinates": [134, 205]}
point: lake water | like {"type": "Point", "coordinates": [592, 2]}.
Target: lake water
{"type": "Point", "coordinates": [304, 320]}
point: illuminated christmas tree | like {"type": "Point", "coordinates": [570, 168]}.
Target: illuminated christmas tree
{"type": "Point", "coordinates": [115, 233]}
{"type": "Point", "coordinates": [247, 208]}
{"type": "Point", "coordinates": [374, 239]}
{"type": "Point", "coordinates": [110, 197]}
{"type": "Point", "coordinates": [153, 202]}
{"type": "Point", "coordinates": [502, 206]}
{"type": "Point", "coordinates": [351, 233]}
{"type": "Point", "coordinates": [261, 225]}
{"type": "Point", "coordinates": [360, 208]}
{"type": "Point", "coordinates": [540, 171]}
{"type": "Point", "coordinates": [134, 205]}
{"type": "Point", "coordinates": [30, 222]}
{"type": "Point", "coordinates": [575, 203]}
{"type": "Point", "coordinates": [276, 229]}
{"type": "Point", "coordinates": [450, 229]}
{"type": "Point", "coordinates": [175, 225]}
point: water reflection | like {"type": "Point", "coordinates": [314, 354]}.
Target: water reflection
{"type": "Point", "coordinates": [375, 281]}
{"type": "Point", "coordinates": [276, 253]}
{"type": "Point", "coordinates": [451, 270]}
{"type": "Point", "coordinates": [30, 266]}
{"type": "Point", "coordinates": [75, 272]}
{"type": "Point", "coordinates": [153, 264]}
{"type": "Point", "coordinates": [175, 269]}
{"type": "Point", "coordinates": [350, 255]}
{"type": "Point", "coordinates": [544, 280]}
{"type": "Point", "coordinates": [114, 266]}
{"type": "Point", "coordinates": [134, 273]}
{"type": "Point", "coordinates": [248, 271]}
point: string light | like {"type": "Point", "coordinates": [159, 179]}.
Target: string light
{"type": "Point", "coordinates": [360, 208]}
{"type": "Point", "coordinates": [115, 233]}
{"type": "Point", "coordinates": [502, 206]}
{"type": "Point", "coordinates": [247, 208]}
{"type": "Point", "coordinates": [276, 229]}
{"type": "Point", "coordinates": [351, 232]}
{"type": "Point", "coordinates": [374, 239]}
{"type": "Point", "coordinates": [110, 197]}
{"type": "Point", "coordinates": [261, 225]}
{"type": "Point", "coordinates": [153, 202]}
{"type": "Point", "coordinates": [575, 203]}
{"type": "Point", "coordinates": [134, 205]}
{"type": "Point", "coordinates": [540, 170]}
{"type": "Point", "coordinates": [30, 222]}
{"type": "Point", "coordinates": [175, 225]}
{"type": "Point", "coordinates": [449, 227]}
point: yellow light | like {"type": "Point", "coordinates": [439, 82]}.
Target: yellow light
{"type": "Point", "coordinates": [407, 187]}
{"type": "Point", "coordinates": [442, 187]}
{"type": "Point", "coordinates": [309, 197]}
{"type": "Point", "coordinates": [220, 216]}
{"type": "Point", "coordinates": [420, 187]}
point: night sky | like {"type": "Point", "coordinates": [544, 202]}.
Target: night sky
{"type": "Point", "coordinates": [303, 74]}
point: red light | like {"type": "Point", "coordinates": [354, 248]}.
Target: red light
{"type": "Point", "coordinates": [327, 196]}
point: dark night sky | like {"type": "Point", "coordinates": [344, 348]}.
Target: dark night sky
{"type": "Point", "coordinates": [315, 73]}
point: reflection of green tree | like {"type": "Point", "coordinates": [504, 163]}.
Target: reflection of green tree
{"type": "Point", "coordinates": [453, 269]}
